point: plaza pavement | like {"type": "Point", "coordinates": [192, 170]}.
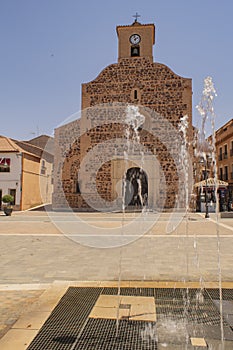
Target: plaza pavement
{"type": "Point", "coordinates": [36, 256]}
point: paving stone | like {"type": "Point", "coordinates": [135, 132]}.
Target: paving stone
{"type": "Point", "coordinates": [17, 339]}
{"type": "Point", "coordinates": [200, 342]}
{"type": "Point", "coordinates": [13, 304]}
{"type": "Point", "coordinates": [45, 258]}
{"type": "Point", "coordinates": [138, 308]}
{"type": "Point", "coordinates": [214, 332]}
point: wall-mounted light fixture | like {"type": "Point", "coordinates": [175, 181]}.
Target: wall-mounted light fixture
{"type": "Point", "coordinates": [3, 162]}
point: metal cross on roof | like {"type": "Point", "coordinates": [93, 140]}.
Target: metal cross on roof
{"type": "Point", "coordinates": [136, 16]}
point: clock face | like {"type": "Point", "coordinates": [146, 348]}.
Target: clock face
{"type": "Point", "coordinates": [135, 39]}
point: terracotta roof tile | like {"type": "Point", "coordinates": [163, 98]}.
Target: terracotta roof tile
{"type": "Point", "coordinates": [7, 145]}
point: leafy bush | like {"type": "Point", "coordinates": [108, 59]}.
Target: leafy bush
{"type": "Point", "coordinates": [7, 199]}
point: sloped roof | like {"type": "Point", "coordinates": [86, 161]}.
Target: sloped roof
{"type": "Point", "coordinates": [35, 150]}
{"type": "Point", "coordinates": [43, 141]}
{"type": "Point", "coordinates": [8, 145]}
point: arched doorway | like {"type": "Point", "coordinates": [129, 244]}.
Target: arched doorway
{"type": "Point", "coordinates": [136, 188]}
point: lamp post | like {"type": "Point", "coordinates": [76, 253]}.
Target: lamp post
{"type": "Point", "coordinates": [204, 160]}
{"type": "Point", "coordinates": [206, 194]}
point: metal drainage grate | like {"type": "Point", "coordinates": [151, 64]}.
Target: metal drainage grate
{"type": "Point", "coordinates": [227, 294]}
{"type": "Point", "coordinates": [100, 334]}
{"type": "Point", "coordinates": [190, 304]}
{"type": "Point", "coordinates": [176, 293]}
{"type": "Point", "coordinates": [69, 328]}
{"type": "Point", "coordinates": [110, 291]}
{"type": "Point", "coordinates": [142, 292]}
{"type": "Point", "coordinates": [60, 330]}
{"type": "Point", "coordinates": [191, 315]}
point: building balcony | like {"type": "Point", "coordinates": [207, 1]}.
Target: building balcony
{"type": "Point", "coordinates": [225, 155]}
{"type": "Point", "coordinates": [231, 152]}
{"type": "Point", "coordinates": [225, 177]}
{"type": "Point", "coordinates": [220, 156]}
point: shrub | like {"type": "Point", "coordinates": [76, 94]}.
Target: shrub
{"type": "Point", "coordinates": [7, 199]}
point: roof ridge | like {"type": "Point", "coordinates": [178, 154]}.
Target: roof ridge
{"type": "Point", "coordinates": [12, 146]}
{"type": "Point", "coordinates": [11, 143]}
{"type": "Point", "coordinates": [27, 143]}
{"type": "Point", "coordinates": [137, 23]}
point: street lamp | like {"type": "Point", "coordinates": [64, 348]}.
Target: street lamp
{"type": "Point", "coordinates": [205, 161]}
{"type": "Point", "coordinates": [206, 197]}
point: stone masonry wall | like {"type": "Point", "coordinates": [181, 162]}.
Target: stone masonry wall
{"type": "Point", "coordinates": [138, 82]}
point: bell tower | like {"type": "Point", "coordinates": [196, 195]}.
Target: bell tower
{"type": "Point", "coordinates": [135, 80]}
{"type": "Point", "coordinates": [136, 40]}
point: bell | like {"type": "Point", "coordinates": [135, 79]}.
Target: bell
{"type": "Point", "coordinates": [135, 51]}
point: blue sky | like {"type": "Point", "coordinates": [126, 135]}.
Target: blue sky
{"type": "Point", "coordinates": [48, 48]}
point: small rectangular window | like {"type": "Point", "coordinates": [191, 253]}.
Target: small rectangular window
{"type": "Point", "coordinates": [220, 174]}
{"type": "Point", "coordinates": [77, 188]}
{"type": "Point", "coordinates": [226, 173]}
{"type": "Point", "coordinates": [43, 167]}
{"type": "Point", "coordinates": [135, 51]}
{"type": "Point", "coordinates": [220, 157]}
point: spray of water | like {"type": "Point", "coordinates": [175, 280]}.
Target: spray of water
{"type": "Point", "coordinates": [133, 121]}
{"type": "Point", "coordinates": [184, 159]}
{"type": "Point", "coordinates": [206, 110]}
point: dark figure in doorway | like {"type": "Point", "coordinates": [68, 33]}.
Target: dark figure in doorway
{"type": "Point", "coordinates": [137, 188]}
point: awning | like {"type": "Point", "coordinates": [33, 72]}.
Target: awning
{"type": "Point", "coordinates": [211, 182]}
{"type": "Point", "coordinates": [5, 161]}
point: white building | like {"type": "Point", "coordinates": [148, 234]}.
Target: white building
{"type": "Point", "coordinates": [25, 173]}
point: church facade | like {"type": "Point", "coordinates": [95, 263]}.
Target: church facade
{"type": "Point", "coordinates": [101, 158]}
